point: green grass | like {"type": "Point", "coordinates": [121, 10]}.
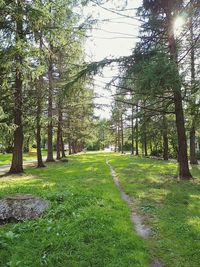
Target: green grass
{"type": "Point", "coordinates": [86, 224]}
{"type": "Point", "coordinates": [171, 208]}
{"type": "Point", "coordinates": [6, 159]}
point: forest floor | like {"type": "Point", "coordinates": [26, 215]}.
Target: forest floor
{"type": "Point", "coordinates": [88, 224]}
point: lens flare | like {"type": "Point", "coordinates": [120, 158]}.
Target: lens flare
{"type": "Point", "coordinates": [178, 24]}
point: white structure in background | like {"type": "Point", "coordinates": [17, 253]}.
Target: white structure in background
{"type": "Point", "coordinates": [109, 148]}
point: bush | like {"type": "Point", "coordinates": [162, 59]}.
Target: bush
{"type": "Point", "coordinates": [198, 154]}
{"type": "Point", "coordinates": [94, 147]}
{"type": "Point", "coordinates": [156, 153]}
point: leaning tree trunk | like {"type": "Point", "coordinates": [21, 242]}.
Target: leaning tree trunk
{"type": "Point", "coordinates": [17, 158]}
{"type": "Point", "coordinates": [184, 172]}
{"type": "Point", "coordinates": [50, 113]}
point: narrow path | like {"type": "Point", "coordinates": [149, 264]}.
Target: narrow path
{"type": "Point", "coordinates": [141, 229]}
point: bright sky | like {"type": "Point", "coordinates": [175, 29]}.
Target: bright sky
{"type": "Point", "coordinates": [113, 36]}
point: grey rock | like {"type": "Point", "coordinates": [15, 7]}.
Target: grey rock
{"type": "Point", "coordinates": [21, 207]}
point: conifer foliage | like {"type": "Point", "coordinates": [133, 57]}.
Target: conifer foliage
{"type": "Point", "coordinates": [41, 48]}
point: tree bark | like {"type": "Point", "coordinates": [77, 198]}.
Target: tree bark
{"type": "Point", "coordinates": [50, 113]}
{"type": "Point", "coordinates": [122, 135]}
{"type": "Point", "coordinates": [165, 139]}
{"type": "Point", "coordinates": [62, 146]}
{"type": "Point", "coordinates": [70, 147]}
{"type": "Point", "coordinates": [38, 125]}
{"type": "Point", "coordinates": [39, 87]}
{"type": "Point", "coordinates": [193, 159]}
{"type": "Point", "coordinates": [145, 133]}
{"type": "Point", "coordinates": [184, 172]}
{"type": "Point", "coordinates": [145, 143]}
{"type": "Point", "coordinates": [132, 132]}
{"type": "Point", "coordinates": [118, 139]}
{"type": "Point", "coordinates": [136, 134]}
{"type": "Point", "coordinates": [115, 149]}
{"type": "Point", "coordinates": [69, 135]}
{"type": "Point", "coordinates": [59, 132]}
{"type": "Point", "coordinates": [17, 157]}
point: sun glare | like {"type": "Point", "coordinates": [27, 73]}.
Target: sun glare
{"type": "Point", "coordinates": [178, 24]}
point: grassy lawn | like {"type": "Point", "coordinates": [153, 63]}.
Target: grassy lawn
{"type": "Point", "coordinates": [86, 224]}
{"type": "Point", "coordinates": [172, 208]}
{"type": "Point", "coordinates": [6, 159]}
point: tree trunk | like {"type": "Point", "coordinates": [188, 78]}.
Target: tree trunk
{"type": "Point", "coordinates": [73, 147]}
{"type": "Point", "coordinates": [151, 148]}
{"type": "Point", "coordinates": [145, 143]}
{"type": "Point", "coordinates": [132, 132]}
{"type": "Point", "coordinates": [69, 136]}
{"type": "Point", "coordinates": [193, 159]}
{"type": "Point", "coordinates": [184, 172]}
{"type": "Point", "coordinates": [17, 157]}
{"type": "Point", "coordinates": [39, 88]}
{"type": "Point", "coordinates": [58, 143]}
{"type": "Point", "coordinates": [118, 139]}
{"type": "Point", "coordinates": [122, 135]}
{"type": "Point", "coordinates": [38, 126]}
{"type": "Point", "coordinates": [26, 145]}
{"type": "Point", "coordinates": [145, 134]}
{"type": "Point", "coordinates": [115, 149]}
{"type": "Point", "coordinates": [39, 151]}
{"type": "Point", "coordinates": [62, 146]}
{"type": "Point", "coordinates": [165, 139]}
{"type": "Point", "coordinates": [50, 114]}
{"type": "Point", "coordinates": [70, 147]}
{"type": "Point", "coordinates": [59, 132]}
{"type": "Point", "coordinates": [136, 134]}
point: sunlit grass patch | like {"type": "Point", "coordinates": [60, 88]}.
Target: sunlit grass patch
{"type": "Point", "coordinates": [86, 224]}
{"type": "Point", "coordinates": [172, 208]}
